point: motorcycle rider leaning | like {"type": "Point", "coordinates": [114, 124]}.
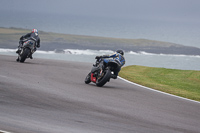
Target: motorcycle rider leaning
{"type": "Point", "coordinates": [118, 56]}
{"type": "Point", "coordinates": [34, 35]}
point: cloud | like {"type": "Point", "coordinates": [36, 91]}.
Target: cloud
{"type": "Point", "coordinates": [160, 9]}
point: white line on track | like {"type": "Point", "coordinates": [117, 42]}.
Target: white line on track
{"type": "Point", "coordinates": [158, 91]}
{"type": "Point", "coordinates": [1, 131]}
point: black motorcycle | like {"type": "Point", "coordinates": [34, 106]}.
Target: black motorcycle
{"type": "Point", "coordinates": [101, 74]}
{"type": "Point", "coordinates": [27, 49]}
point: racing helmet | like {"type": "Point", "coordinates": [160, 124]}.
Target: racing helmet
{"type": "Point", "coordinates": [120, 52]}
{"type": "Point", "coordinates": [34, 31]}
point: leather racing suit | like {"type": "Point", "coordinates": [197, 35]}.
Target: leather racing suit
{"type": "Point", "coordinates": [116, 56]}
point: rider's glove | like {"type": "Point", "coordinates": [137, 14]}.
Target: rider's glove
{"type": "Point", "coordinates": [98, 57]}
{"type": "Point", "coordinates": [21, 38]}
{"type": "Point", "coordinates": [20, 42]}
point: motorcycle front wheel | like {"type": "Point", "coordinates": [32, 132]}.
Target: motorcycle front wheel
{"type": "Point", "coordinates": [24, 55]}
{"type": "Point", "coordinates": [87, 78]}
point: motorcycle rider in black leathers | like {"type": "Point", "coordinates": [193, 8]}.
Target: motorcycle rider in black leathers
{"type": "Point", "coordinates": [117, 56]}
{"type": "Point", "coordinates": [34, 36]}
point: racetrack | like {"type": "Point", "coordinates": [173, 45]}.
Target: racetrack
{"type": "Point", "coordinates": [49, 96]}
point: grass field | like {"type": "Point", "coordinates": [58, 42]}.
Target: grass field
{"type": "Point", "coordinates": [13, 34]}
{"type": "Point", "coordinates": [184, 83]}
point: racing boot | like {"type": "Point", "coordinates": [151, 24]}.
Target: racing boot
{"type": "Point", "coordinates": [113, 76]}
{"type": "Point", "coordinates": [18, 50]}
{"type": "Point", "coordinates": [17, 59]}
{"type": "Point", "coordinates": [31, 57]}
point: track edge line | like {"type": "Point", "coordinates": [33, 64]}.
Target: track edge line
{"type": "Point", "coordinates": [157, 90]}
{"type": "Point", "coordinates": [2, 131]}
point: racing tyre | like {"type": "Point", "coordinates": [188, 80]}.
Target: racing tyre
{"type": "Point", "coordinates": [104, 79]}
{"type": "Point", "coordinates": [24, 55]}
{"type": "Point", "coordinates": [87, 78]}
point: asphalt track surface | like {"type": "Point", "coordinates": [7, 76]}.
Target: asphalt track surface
{"type": "Point", "coordinates": [49, 96]}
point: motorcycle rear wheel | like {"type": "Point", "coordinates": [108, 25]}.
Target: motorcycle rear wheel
{"type": "Point", "coordinates": [104, 79]}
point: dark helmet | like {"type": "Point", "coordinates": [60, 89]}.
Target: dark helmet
{"type": "Point", "coordinates": [120, 51]}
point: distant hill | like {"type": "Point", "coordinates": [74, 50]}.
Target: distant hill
{"type": "Point", "coordinates": [9, 38]}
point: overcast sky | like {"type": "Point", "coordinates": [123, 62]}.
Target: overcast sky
{"type": "Point", "coordinates": [154, 9]}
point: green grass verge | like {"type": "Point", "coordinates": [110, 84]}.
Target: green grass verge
{"type": "Point", "coordinates": [184, 83]}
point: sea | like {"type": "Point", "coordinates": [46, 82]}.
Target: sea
{"type": "Point", "coordinates": [183, 62]}
{"type": "Point", "coordinates": [180, 32]}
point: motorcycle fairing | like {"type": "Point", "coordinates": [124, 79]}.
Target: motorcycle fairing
{"type": "Point", "coordinates": [29, 44]}
{"type": "Point", "coordinates": [94, 69]}
{"type": "Point", "coordinates": [93, 79]}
